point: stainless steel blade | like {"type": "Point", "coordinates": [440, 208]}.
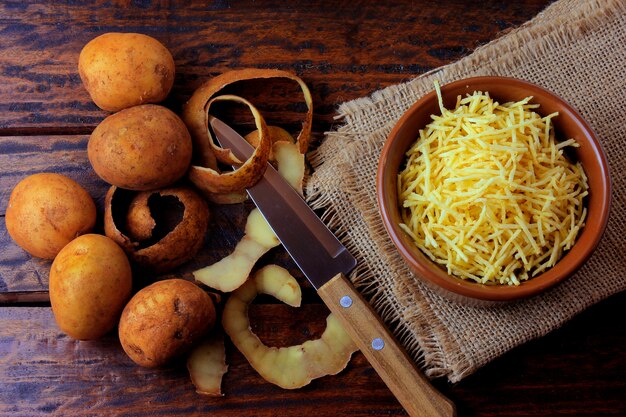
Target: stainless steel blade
{"type": "Point", "coordinates": [313, 247]}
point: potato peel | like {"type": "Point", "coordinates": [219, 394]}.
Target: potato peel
{"type": "Point", "coordinates": [276, 281]}
{"type": "Point", "coordinates": [211, 181]}
{"type": "Point", "coordinates": [207, 365]}
{"type": "Point", "coordinates": [230, 272]}
{"type": "Point", "coordinates": [288, 367]}
{"type": "Point", "coordinates": [196, 117]}
{"type": "Point", "coordinates": [277, 134]}
{"type": "Point", "coordinates": [290, 164]}
{"type": "Point", "coordinates": [285, 154]}
{"type": "Point", "coordinates": [170, 251]}
{"type": "Point", "coordinates": [262, 145]}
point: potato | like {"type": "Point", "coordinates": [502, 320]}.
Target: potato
{"type": "Point", "coordinates": [46, 211]}
{"type": "Point", "coordinates": [142, 148]}
{"type": "Point", "coordinates": [121, 70]}
{"type": "Point", "coordinates": [90, 281]}
{"type": "Point", "coordinates": [164, 320]}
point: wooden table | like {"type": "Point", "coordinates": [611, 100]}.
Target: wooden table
{"type": "Point", "coordinates": [343, 50]}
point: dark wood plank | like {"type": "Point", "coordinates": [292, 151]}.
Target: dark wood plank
{"type": "Point", "coordinates": [44, 372]}
{"type": "Point", "coordinates": [344, 50]}
{"type": "Point", "coordinates": [576, 371]}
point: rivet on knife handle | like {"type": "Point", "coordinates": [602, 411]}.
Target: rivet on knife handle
{"type": "Point", "coordinates": [411, 388]}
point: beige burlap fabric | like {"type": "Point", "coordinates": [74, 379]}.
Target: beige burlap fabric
{"type": "Point", "coordinates": [574, 48]}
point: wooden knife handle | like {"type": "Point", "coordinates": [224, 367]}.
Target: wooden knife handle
{"type": "Point", "coordinates": [391, 362]}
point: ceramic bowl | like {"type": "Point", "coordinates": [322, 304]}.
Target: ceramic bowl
{"type": "Point", "coordinates": [568, 124]}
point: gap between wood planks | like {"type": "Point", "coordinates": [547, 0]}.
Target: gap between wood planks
{"type": "Point", "coordinates": [25, 299]}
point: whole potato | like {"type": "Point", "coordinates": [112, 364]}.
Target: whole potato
{"type": "Point", "coordinates": [46, 211]}
{"type": "Point", "coordinates": [121, 70]}
{"type": "Point", "coordinates": [141, 148]}
{"type": "Point", "coordinates": [90, 281]}
{"type": "Point", "coordinates": [163, 320]}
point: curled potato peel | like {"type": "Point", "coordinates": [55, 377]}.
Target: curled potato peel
{"type": "Point", "coordinates": [232, 271]}
{"type": "Point", "coordinates": [211, 181]}
{"type": "Point", "coordinates": [132, 220]}
{"type": "Point", "coordinates": [204, 172]}
{"type": "Point", "coordinates": [263, 145]}
{"type": "Point", "coordinates": [288, 367]}
{"type": "Point", "coordinates": [196, 116]}
{"type": "Point", "coordinates": [283, 151]}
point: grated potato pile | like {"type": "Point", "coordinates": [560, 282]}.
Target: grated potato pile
{"type": "Point", "coordinates": [488, 193]}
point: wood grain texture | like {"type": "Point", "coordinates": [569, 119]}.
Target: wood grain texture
{"type": "Point", "coordinates": [577, 370]}
{"type": "Point", "coordinates": [44, 372]}
{"type": "Point", "coordinates": [342, 49]}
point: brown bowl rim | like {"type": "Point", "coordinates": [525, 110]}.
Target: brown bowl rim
{"type": "Point", "coordinates": [431, 273]}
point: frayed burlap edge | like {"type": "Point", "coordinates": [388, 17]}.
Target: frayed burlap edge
{"type": "Point", "coordinates": [556, 25]}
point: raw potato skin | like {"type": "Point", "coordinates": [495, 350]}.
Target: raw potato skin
{"type": "Point", "coordinates": [46, 211]}
{"type": "Point", "coordinates": [164, 320]}
{"type": "Point", "coordinates": [249, 172]}
{"type": "Point", "coordinates": [142, 148]}
{"type": "Point", "coordinates": [139, 221]}
{"type": "Point", "coordinates": [288, 367]}
{"type": "Point", "coordinates": [231, 272]}
{"type": "Point", "coordinates": [207, 364]}
{"type": "Point", "coordinates": [121, 70]}
{"type": "Point", "coordinates": [90, 281]}
{"type": "Point", "coordinates": [177, 247]}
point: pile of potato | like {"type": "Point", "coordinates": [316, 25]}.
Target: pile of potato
{"type": "Point", "coordinates": [156, 223]}
{"type": "Point", "coordinates": [143, 151]}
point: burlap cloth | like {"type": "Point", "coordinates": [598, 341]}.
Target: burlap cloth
{"type": "Point", "coordinates": [573, 48]}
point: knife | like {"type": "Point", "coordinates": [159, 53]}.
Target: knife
{"type": "Point", "coordinates": [324, 261]}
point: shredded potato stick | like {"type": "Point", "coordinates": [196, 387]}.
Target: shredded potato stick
{"type": "Point", "coordinates": [488, 193]}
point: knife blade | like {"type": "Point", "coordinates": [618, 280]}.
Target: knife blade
{"type": "Point", "coordinates": [325, 262]}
